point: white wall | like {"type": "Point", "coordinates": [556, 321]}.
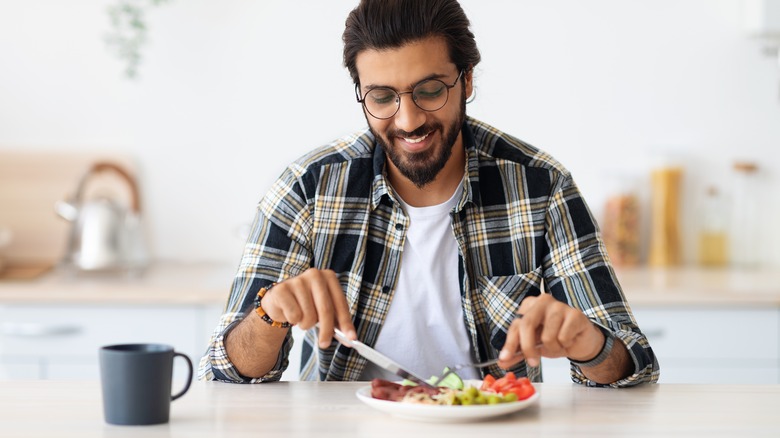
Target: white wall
{"type": "Point", "coordinates": [231, 91]}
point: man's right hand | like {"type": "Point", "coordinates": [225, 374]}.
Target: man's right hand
{"type": "Point", "coordinates": [308, 299]}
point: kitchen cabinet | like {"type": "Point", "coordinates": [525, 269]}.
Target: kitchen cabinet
{"type": "Point", "coordinates": [52, 327]}
{"type": "Point", "coordinates": [738, 345]}
{"type": "Point", "coordinates": [705, 325]}
{"type": "Point", "coordinates": [62, 342]}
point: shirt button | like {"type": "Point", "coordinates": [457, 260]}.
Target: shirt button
{"type": "Point", "coordinates": [386, 289]}
{"type": "Point", "coordinates": [399, 227]}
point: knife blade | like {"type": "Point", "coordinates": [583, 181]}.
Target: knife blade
{"type": "Point", "coordinates": [380, 359]}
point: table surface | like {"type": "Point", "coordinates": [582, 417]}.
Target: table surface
{"type": "Point", "coordinates": [331, 409]}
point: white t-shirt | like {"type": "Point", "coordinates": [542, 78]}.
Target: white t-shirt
{"type": "Point", "coordinates": [425, 329]}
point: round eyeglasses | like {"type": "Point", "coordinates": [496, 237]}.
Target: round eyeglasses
{"type": "Point", "coordinates": [384, 102]}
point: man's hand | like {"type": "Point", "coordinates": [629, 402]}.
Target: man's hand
{"type": "Point", "coordinates": [310, 298]}
{"type": "Point", "coordinates": [550, 328]}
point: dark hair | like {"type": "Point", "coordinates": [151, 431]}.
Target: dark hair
{"type": "Point", "coordinates": [385, 24]}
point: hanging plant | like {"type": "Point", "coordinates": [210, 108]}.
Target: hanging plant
{"type": "Point", "coordinates": [129, 31]}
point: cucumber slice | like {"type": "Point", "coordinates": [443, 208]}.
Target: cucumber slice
{"type": "Point", "coordinates": [452, 381]}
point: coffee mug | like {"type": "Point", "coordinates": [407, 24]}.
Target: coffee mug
{"type": "Point", "coordinates": [136, 382]}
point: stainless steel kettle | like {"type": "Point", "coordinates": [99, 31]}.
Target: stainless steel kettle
{"type": "Point", "coordinates": [106, 235]}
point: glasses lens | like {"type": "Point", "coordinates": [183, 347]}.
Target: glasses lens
{"type": "Point", "coordinates": [381, 102]}
{"type": "Point", "coordinates": [430, 95]}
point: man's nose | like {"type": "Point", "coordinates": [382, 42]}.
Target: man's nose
{"type": "Point", "coordinates": [409, 116]}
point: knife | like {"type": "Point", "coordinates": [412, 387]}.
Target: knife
{"type": "Point", "coordinates": [380, 359]}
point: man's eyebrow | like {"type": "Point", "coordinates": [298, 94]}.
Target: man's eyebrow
{"type": "Point", "coordinates": [369, 87]}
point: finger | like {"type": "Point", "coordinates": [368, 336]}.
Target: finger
{"type": "Point", "coordinates": [508, 355]}
{"type": "Point", "coordinates": [550, 334]}
{"type": "Point", "coordinates": [343, 317]}
{"type": "Point", "coordinates": [324, 304]}
{"type": "Point", "coordinates": [530, 326]}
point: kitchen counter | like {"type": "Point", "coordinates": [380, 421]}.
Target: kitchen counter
{"type": "Point", "coordinates": [331, 409]}
{"type": "Point", "coordinates": [161, 283]}
{"type": "Point", "coordinates": [178, 283]}
{"type": "Point", "coordinates": [702, 287]}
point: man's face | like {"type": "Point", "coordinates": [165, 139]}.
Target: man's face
{"type": "Point", "coordinates": [418, 143]}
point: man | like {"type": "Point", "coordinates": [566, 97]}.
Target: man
{"type": "Point", "coordinates": [430, 236]}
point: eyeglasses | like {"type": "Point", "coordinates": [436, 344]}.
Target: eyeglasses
{"type": "Point", "coordinates": [384, 102]}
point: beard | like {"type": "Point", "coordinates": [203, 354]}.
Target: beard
{"type": "Point", "coordinates": [421, 168]}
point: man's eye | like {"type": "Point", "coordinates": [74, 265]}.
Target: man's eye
{"type": "Point", "coordinates": [381, 97]}
{"type": "Point", "coordinates": [429, 90]}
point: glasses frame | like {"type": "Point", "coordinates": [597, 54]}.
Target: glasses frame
{"type": "Point", "coordinates": [362, 99]}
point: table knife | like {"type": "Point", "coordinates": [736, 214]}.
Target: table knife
{"type": "Point", "coordinates": [380, 359]}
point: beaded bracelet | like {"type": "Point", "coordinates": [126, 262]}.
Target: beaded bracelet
{"type": "Point", "coordinates": [261, 312]}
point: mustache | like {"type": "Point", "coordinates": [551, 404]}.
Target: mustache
{"type": "Point", "coordinates": [419, 132]}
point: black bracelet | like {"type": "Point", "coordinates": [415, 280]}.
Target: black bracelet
{"type": "Point", "coordinates": [261, 312]}
{"type": "Point", "coordinates": [609, 342]}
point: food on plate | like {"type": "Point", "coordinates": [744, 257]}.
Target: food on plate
{"type": "Point", "coordinates": [451, 380]}
{"type": "Point", "coordinates": [506, 389]}
{"type": "Point", "coordinates": [509, 384]}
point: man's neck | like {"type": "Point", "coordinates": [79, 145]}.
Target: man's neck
{"type": "Point", "coordinates": [437, 191]}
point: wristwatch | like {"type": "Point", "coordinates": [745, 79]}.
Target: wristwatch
{"type": "Point", "coordinates": [609, 342]}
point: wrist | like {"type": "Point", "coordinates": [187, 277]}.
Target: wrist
{"type": "Point", "coordinates": [261, 312]}
{"type": "Point", "coordinates": [604, 352]}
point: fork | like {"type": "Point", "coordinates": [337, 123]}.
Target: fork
{"type": "Point", "coordinates": [455, 368]}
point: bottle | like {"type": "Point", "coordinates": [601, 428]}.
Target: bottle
{"type": "Point", "coordinates": [744, 216]}
{"type": "Point", "coordinates": [713, 230]}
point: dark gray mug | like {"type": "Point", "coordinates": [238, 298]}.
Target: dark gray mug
{"type": "Point", "coordinates": [136, 382]}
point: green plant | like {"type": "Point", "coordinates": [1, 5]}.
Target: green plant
{"type": "Point", "coordinates": [129, 31]}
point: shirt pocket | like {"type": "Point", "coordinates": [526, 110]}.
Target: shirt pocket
{"type": "Point", "coordinates": [499, 297]}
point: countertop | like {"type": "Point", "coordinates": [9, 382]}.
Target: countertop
{"type": "Point", "coordinates": [160, 283]}
{"type": "Point", "coordinates": [331, 409]}
{"type": "Point", "coordinates": [178, 283]}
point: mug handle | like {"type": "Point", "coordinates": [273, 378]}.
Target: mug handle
{"type": "Point", "coordinates": [189, 378]}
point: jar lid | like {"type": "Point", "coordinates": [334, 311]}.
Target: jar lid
{"type": "Point", "coordinates": [745, 166]}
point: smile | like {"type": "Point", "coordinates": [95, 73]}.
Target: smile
{"type": "Point", "coordinates": [416, 140]}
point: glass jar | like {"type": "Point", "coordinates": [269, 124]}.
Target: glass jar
{"type": "Point", "coordinates": [744, 215]}
{"type": "Point", "coordinates": [620, 224]}
{"type": "Point", "coordinates": [665, 233]}
{"type": "Point", "coordinates": [713, 229]}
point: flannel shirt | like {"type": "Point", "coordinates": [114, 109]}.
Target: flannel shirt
{"type": "Point", "coordinates": [521, 226]}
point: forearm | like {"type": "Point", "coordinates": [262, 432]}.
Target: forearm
{"type": "Point", "coordinates": [253, 346]}
{"type": "Point", "coordinates": [618, 365]}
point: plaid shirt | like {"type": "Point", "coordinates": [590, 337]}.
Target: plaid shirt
{"type": "Point", "coordinates": [521, 222]}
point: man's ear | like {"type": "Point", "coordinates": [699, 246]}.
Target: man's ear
{"type": "Point", "coordinates": [468, 78]}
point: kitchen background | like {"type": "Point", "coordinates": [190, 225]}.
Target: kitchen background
{"type": "Point", "coordinates": [227, 93]}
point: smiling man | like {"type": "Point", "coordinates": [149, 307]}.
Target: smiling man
{"type": "Point", "coordinates": [428, 226]}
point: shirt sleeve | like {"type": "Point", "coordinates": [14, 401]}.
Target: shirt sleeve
{"type": "Point", "coordinates": [578, 272]}
{"type": "Point", "coordinates": [277, 248]}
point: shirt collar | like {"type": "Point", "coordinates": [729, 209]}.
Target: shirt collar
{"type": "Point", "coordinates": [381, 186]}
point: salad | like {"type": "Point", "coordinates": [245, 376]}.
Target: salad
{"type": "Point", "coordinates": [452, 391]}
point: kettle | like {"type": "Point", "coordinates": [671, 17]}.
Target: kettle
{"type": "Point", "coordinates": [105, 235]}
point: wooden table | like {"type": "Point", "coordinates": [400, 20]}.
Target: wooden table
{"type": "Point", "coordinates": [330, 409]}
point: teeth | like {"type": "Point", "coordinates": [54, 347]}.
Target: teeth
{"type": "Point", "coordinates": [415, 140]}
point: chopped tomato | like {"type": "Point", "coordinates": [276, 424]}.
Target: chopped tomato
{"type": "Point", "coordinates": [487, 382]}
{"type": "Point", "coordinates": [522, 387]}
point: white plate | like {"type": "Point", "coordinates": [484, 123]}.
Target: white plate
{"type": "Point", "coordinates": [439, 413]}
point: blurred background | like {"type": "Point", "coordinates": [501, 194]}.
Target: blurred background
{"type": "Point", "coordinates": [667, 112]}
{"type": "Point", "coordinates": [227, 93]}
